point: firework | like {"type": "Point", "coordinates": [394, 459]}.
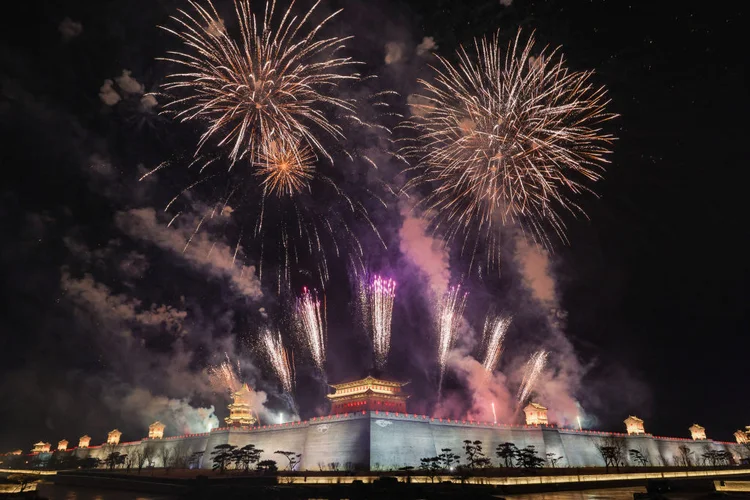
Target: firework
{"type": "Point", "coordinates": [505, 140]}
{"type": "Point", "coordinates": [311, 326]}
{"type": "Point", "coordinates": [494, 415]}
{"type": "Point", "coordinates": [494, 334]}
{"type": "Point", "coordinates": [225, 377]}
{"type": "Point", "coordinates": [286, 169]}
{"type": "Point", "coordinates": [534, 368]}
{"type": "Point", "coordinates": [279, 359]}
{"type": "Point", "coordinates": [272, 83]}
{"type": "Point", "coordinates": [449, 318]}
{"type": "Point", "coordinates": [378, 296]}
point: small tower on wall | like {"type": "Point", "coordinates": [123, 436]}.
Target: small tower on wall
{"type": "Point", "coordinates": [634, 425]}
{"type": "Point", "coordinates": [62, 445]}
{"type": "Point", "coordinates": [697, 432]}
{"type": "Point", "coordinates": [41, 447]}
{"type": "Point", "coordinates": [84, 441]}
{"type": "Point", "coordinates": [156, 430]}
{"type": "Point", "coordinates": [240, 412]}
{"type": "Point", "coordinates": [536, 414]}
{"type": "Point", "coordinates": [741, 437]}
{"type": "Point", "coordinates": [113, 437]}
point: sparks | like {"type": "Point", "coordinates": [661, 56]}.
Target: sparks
{"type": "Point", "coordinates": [225, 377]}
{"type": "Point", "coordinates": [286, 169]}
{"type": "Point", "coordinates": [449, 318]}
{"type": "Point", "coordinates": [494, 334]}
{"type": "Point", "coordinates": [505, 139]}
{"type": "Point", "coordinates": [279, 359]}
{"type": "Point", "coordinates": [311, 327]}
{"type": "Point", "coordinates": [534, 367]}
{"type": "Point", "coordinates": [380, 294]}
{"type": "Point", "coordinates": [273, 83]}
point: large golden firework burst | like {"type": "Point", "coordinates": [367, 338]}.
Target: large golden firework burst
{"type": "Point", "coordinates": [272, 83]}
{"type": "Point", "coordinates": [286, 169]}
{"type": "Point", "coordinates": [505, 139]}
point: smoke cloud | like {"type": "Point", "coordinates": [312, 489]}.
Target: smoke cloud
{"type": "Point", "coordinates": [140, 405]}
{"type": "Point", "coordinates": [213, 257]}
{"type": "Point", "coordinates": [428, 254]}
{"type": "Point", "coordinates": [108, 94]}
{"type": "Point", "coordinates": [69, 28]}
{"type": "Point", "coordinates": [426, 47]}
{"type": "Point", "coordinates": [394, 52]}
{"type": "Point", "coordinates": [484, 388]}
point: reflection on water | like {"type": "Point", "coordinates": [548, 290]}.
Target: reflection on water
{"type": "Point", "coordinates": [605, 494]}
{"type": "Point", "coordinates": [55, 492]}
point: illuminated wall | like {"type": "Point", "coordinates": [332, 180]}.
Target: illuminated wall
{"type": "Point", "coordinates": [380, 440]}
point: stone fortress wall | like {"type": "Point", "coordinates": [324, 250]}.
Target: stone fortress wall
{"type": "Point", "coordinates": [383, 440]}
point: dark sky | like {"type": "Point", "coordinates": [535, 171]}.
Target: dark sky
{"type": "Point", "coordinates": [103, 323]}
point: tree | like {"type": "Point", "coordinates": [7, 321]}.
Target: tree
{"type": "Point", "coordinates": [181, 454]}
{"type": "Point", "coordinates": [684, 459]}
{"type": "Point", "coordinates": [89, 463]}
{"type": "Point", "coordinates": [553, 459]}
{"type": "Point", "coordinates": [612, 450]}
{"type": "Point", "coordinates": [167, 456]}
{"type": "Point", "coordinates": [448, 459]}
{"type": "Point", "coordinates": [114, 459]}
{"type": "Point", "coordinates": [474, 454]}
{"type": "Point", "coordinates": [222, 455]}
{"type": "Point", "coordinates": [137, 457]}
{"type": "Point", "coordinates": [250, 455]}
{"type": "Point", "coordinates": [267, 466]}
{"type": "Point", "coordinates": [430, 466]}
{"type": "Point", "coordinates": [294, 458]}
{"type": "Point", "coordinates": [506, 452]}
{"type": "Point", "coordinates": [237, 457]}
{"type": "Point", "coordinates": [528, 459]}
{"type": "Point", "coordinates": [639, 457]}
{"type": "Point", "coordinates": [195, 459]}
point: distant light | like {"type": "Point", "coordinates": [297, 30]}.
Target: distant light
{"type": "Point", "coordinates": [281, 418]}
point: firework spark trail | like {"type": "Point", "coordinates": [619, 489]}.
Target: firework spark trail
{"type": "Point", "coordinates": [225, 377]}
{"type": "Point", "coordinates": [494, 415]}
{"type": "Point", "coordinates": [494, 335]}
{"type": "Point", "coordinates": [381, 293]}
{"type": "Point", "coordinates": [286, 168]}
{"type": "Point", "coordinates": [534, 367]}
{"type": "Point", "coordinates": [312, 327]}
{"type": "Point", "coordinates": [279, 359]}
{"type": "Point", "coordinates": [449, 318]}
{"type": "Point", "coordinates": [505, 140]}
{"type": "Point", "coordinates": [273, 83]}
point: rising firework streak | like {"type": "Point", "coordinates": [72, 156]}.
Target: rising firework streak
{"type": "Point", "coordinates": [494, 335]}
{"type": "Point", "coordinates": [311, 327]}
{"type": "Point", "coordinates": [279, 359]}
{"type": "Point", "coordinates": [504, 139]}
{"type": "Point", "coordinates": [380, 294]}
{"type": "Point", "coordinates": [534, 368]}
{"type": "Point", "coordinates": [450, 313]}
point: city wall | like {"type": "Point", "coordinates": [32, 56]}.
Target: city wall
{"type": "Point", "coordinates": [378, 441]}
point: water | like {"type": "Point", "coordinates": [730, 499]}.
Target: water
{"type": "Point", "coordinates": [603, 494]}
{"type": "Point", "coordinates": [55, 492]}
{"type": "Point", "coordinates": [61, 492]}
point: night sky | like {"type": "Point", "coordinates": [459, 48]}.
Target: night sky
{"type": "Point", "coordinates": [104, 323]}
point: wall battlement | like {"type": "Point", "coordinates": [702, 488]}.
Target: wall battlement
{"type": "Point", "coordinates": [383, 440]}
